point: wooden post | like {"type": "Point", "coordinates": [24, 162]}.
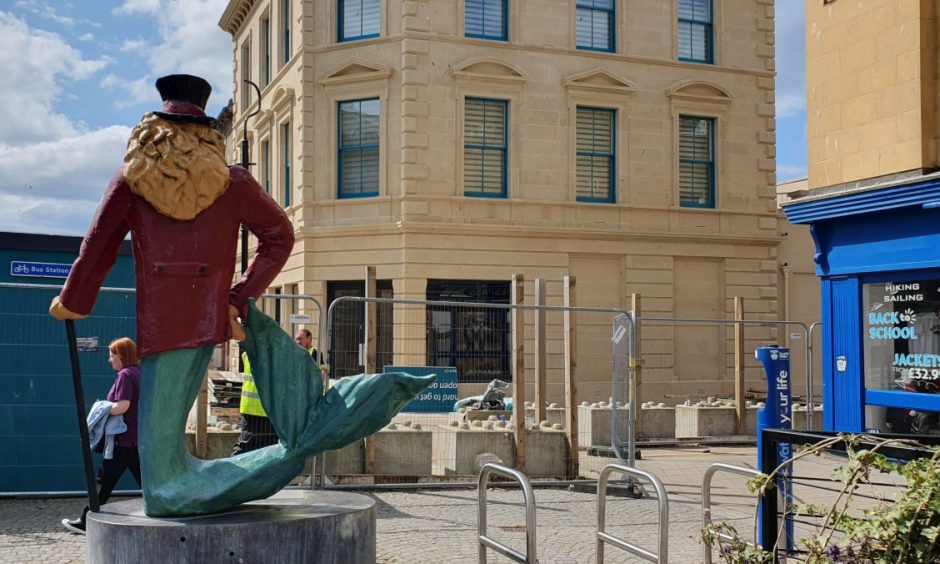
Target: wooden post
{"type": "Point", "coordinates": [541, 393]}
{"type": "Point", "coordinates": [202, 419]}
{"type": "Point", "coordinates": [518, 370]}
{"type": "Point", "coordinates": [571, 371]}
{"type": "Point", "coordinates": [635, 403]}
{"type": "Point", "coordinates": [740, 412]}
{"type": "Point", "coordinates": [370, 368]}
{"type": "Point", "coordinates": [370, 326]}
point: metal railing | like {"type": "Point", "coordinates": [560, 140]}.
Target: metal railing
{"type": "Point", "coordinates": [707, 500]}
{"type": "Point", "coordinates": [602, 536]}
{"type": "Point", "coordinates": [530, 556]}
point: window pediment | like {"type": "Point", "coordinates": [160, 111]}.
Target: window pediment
{"type": "Point", "coordinates": [599, 80]}
{"type": "Point", "coordinates": [355, 69]}
{"type": "Point", "coordinates": [697, 90]}
{"type": "Point", "coordinates": [488, 69]}
{"type": "Point", "coordinates": [282, 98]}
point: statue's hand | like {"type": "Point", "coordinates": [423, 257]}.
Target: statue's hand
{"type": "Point", "coordinates": [59, 311]}
{"type": "Point", "coordinates": [238, 332]}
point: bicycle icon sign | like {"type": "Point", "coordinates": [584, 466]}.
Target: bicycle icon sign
{"type": "Point", "coordinates": [39, 269]}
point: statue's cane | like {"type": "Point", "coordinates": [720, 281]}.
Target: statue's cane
{"type": "Point", "coordinates": [80, 410]}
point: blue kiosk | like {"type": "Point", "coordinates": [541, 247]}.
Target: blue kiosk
{"type": "Point", "coordinates": [878, 257]}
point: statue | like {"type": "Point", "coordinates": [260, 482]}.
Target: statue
{"type": "Point", "coordinates": [183, 207]}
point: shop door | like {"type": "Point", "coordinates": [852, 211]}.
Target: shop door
{"type": "Point", "coordinates": [844, 360]}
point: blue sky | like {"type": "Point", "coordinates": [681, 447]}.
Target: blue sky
{"type": "Point", "coordinates": [76, 76]}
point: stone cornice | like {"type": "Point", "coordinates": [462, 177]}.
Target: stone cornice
{"type": "Point", "coordinates": [235, 14]}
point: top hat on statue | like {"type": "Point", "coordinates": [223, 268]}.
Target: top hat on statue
{"type": "Point", "coordinates": [184, 98]}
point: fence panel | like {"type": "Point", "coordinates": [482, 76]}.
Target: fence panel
{"type": "Point", "coordinates": [469, 346]}
{"type": "Point", "coordinates": [37, 405]}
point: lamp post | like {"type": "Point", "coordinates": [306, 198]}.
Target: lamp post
{"type": "Point", "coordinates": [245, 162]}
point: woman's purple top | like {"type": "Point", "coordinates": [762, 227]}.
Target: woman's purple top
{"type": "Point", "coordinates": [127, 387]}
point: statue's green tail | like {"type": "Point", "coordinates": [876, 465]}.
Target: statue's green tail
{"type": "Point", "coordinates": [307, 421]}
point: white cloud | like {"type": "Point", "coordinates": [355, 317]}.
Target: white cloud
{"type": "Point", "coordinates": [86, 37]}
{"type": "Point", "coordinates": [190, 41]}
{"type": "Point", "coordinates": [54, 186]}
{"type": "Point", "coordinates": [133, 46]}
{"type": "Point", "coordinates": [135, 92]}
{"type": "Point", "coordinates": [28, 113]}
{"type": "Point", "coordinates": [790, 19]}
{"type": "Point", "coordinates": [131, 7]}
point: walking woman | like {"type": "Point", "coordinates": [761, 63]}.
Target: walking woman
{"type": "Point", "coordinates": [124, 397]}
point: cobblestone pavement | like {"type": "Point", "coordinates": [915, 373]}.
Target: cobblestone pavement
{"type": "Point", "coordinates": [438, 526]}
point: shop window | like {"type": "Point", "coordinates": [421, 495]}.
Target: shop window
{"type": "Point", "coordinates": [486, 19]}
{"type": "Point", "coordinates": [901, 345]}
{"type": "Point", "coordinates": [358, 148]}
{"type": "Point", "coordinates": [695, 31]}
{"type": "Point", "coordinates": [696, 162]}
{"type": "Point", "coordinates": [475, 340]}
{"type": "Point", "coordinates": [596, 161]}
{"type": "Point", "coordinates": [594, 29]}
{"type": "Point", "coordinates": [485, 147]}
{"type": "Point", "coordinates": [359, 19]}
{"type": "Point", "coordinates": [345, 354]}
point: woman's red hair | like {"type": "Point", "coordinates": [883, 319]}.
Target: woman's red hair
{"type": "Point", "coordinates": [126, 350]}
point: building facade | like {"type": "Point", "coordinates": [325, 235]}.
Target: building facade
{"type": "Point", "coordinates": [872, 207]}
{"type": "Point", "coordinates": [454, 143]}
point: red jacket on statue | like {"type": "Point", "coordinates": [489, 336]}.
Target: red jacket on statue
{"type": "Point", "coordinates": [183, 207]}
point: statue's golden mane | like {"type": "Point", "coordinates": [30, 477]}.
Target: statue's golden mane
{"type": "Point", "coordinates": [178, 167]}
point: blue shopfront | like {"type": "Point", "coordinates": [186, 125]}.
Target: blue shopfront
{"type": "Point", "coordinates": [878, 256]}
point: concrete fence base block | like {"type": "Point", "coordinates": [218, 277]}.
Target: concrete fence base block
{"type": "Point", "coordinates": [293, 526]}
{"type": "Point", "coordinates": [799, 418]}
{"type": "Point", "coordinates": [403, 453]}
{"type": "Point", "coordinates": [456, 450]}
{"type": "Point", "coordinates": [546, 454]}
{"type": "Point", "coordinates": [695, 422]}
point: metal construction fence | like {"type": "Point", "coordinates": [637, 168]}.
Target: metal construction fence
{"type": "Point", "coordinates": [698, 380]}
{"type": "Point", "coordinates": [511, 380]}
{"type": "Point", "coordinates": [570, 372]}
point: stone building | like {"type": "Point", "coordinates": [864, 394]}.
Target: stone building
{"type": "Point", "coordinates": [454, 143]}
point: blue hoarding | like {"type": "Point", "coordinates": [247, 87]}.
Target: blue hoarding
{"type": "Point", "coordinates": [442, 394]}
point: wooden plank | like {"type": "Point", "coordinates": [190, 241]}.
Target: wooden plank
{"type": "Point", "coordinates": [541, 389]}
{"type": "Point", "coordinates": [571, 372]}
{"type": "Point", "coordinates": [202, 419]}
{"type": "Point", "coordinates": [637, 365]}
{"type": "Point", "coordinates": [370, 368]}
{"type": "Point", "coordinates": [518, 370]}
{"type": "Point", "coordinates": [740, 413]}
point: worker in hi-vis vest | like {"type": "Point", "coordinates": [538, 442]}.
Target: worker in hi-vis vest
{"type": "Point", "coordinates": [257, 431]}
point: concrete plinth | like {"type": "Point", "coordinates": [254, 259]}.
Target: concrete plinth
{"type": "Point", "coordinates": [457, 451]}
{"type": "Point", "coordinates": [546, 453]}
{"type": "Point", "coordinates": [348, 460]}
{"type": "Point", "coordinates": [594, 425]}
{"type": "Point", "coordinates": [403, 452]}
{"type": "Point", "coordinates": [658, 422]}
{"type": "Point", "coordinates": [697, 421]}
{"type": "Point", "coordinates": [799, 418]}
{"type": "Point", "coordinates": [293, 526]}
